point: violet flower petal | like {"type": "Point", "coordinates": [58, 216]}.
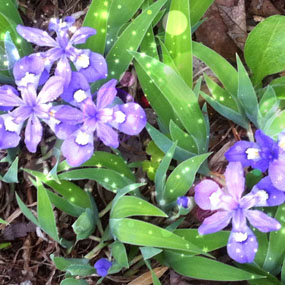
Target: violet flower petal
{"type": "Point", "coordinates": [21, 114]}
{"type": "Point", "coordinates": [81, 35]}
{"type": "Point", "coordinates": [203, 193]}
{"type": "Point", "coordinates": [63, 70]}
{"type": "Point", "coordinates": [102, 266]}
{"type": "Point", "coordinates": [33, 133]}
{"type": "Point", "coordinates": [129, 118]}
{"type": "Point", "coordinates": [75, 153]}
{"type": "Point", "coordinates": [262, 222]}
{"type": "Point", "coordinates": [242, 245]}
{"type": "Point", "coordinates": [107, 135]}
{"type": "Point", "coordinates": [106, 94]}
{"type": "Point", "coordinates": [9, 132]}
{"type": "Point", "coordinates": [268, 195]}
{"type": "Point", "coordinates": [36, 36]}
{"type": "Point", "coordinates": [51, 90]}
{"type": "Point", "coordinates": [235, 180]}
{"type": "Point", "coordinates": [215, 222]}
{"type": "Point", "coordinates": [69, 115]}
{"type": "Point", "coordinates": [7, 90]}
{"type": "Point", "coordinates": [276, 173]}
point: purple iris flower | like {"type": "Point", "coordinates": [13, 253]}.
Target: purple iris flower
{"type": "Point", "coordinates": [265, 154]}
{"type": "Point", "coordinates": [231, 206]}
{"type": "Point", "coordinates": [101, 118]}
{"type": "Point", "coordinates": [102, 266]}
{"type": "Point", "coordinates": [92, 65]}
{"type": "Point", "coordinates": [184, 202]}
{"type": "Point", "coordinates": [28, 107]}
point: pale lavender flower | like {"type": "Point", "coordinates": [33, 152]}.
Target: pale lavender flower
{"type": "Point", "coordinates": [102, 266]}
{"type": "Point", "coordinates": [28, 107]}
{"type": "Point", "coordinates": [184, 202]}
{"type": "Point", "coordinates": [100, 118]}
{"type": "Point", "coordinates": [92, 65]}
{"type": "Point", "coordinates": [231, 206]}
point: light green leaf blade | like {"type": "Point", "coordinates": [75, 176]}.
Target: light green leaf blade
{"type": "Point", "coordinates": [178, 38]}
{"type": "Point", "coordinates": [181, 178]}
{"type": "Point", "coordinates": [120, 254]}
{"type": "Point", "coordinates": [72, 281]}
{"type": "Point", "coordinates": [129, 206]}
{"type": "Point", "coordinates": [263, 51]}
{"type": "Point", "coordinates": [206, 269]}
{"type": "Point", "coordinates": [146, 234]}
{"type": "Point", "coordinates": [11, 176]}
{"type": "Point", "coordinates": [45, 212]}
{"type": "Point", "coordinates": [178, 94]}
{"type": "Point", "coordinates": [197, 9]}
{"type": "Point", "coordinates": [3, 222]}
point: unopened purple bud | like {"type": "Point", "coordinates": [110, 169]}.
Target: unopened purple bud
{"type": "Point", "coordinates": [102, 266]}
{"type": "Point", "coordinates": [184, 202]}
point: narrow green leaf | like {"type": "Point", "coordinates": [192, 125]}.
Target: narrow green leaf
{"type": "Point", "coordinates": [263, 48]}
{"type": "Point", "coordinates": [96, 18]}
{"type": "Point", "coordinates": [3, 222]}
{"type": "Point", "coordinates": [184, 140]}
{"type": "Point", "coordinates": [109, 179]}
{"type": "Point", "coordinates": [62, 263]}
{"type": "Point", "coordinates": [181, 178]}
{"type": "Point", "coordinates": [146, 234]}
{"type": "Point", "coordinates": [119, 58]}
{"type": "Point", "coordinates": [275, 124]}
{"type": "Point", "coordinates": [149, 252]}
{"type": "Point", "coordinates": [206, 242]}
{"type": "Point", "coordinates": [11, 175]}
{"type": "Point", "coordinates": [85, 225]}
{"type": "Point", "coordinates": [166, 56]}
{"type": "Point", "coordinates": [246, 94]}
{"type": "Point", "coordinates": [160, 175]}
{"type": "Point", "coordinates": [276, 250]}
{"type": "Point", "coordinates": [81, 269]}
{"type": "Point", "coordinates": [262, 248]}
{"type": "Point", "coordinates": [120, 254]}
{"type": "Point", "coordinates": [132, 206]}
{"type": "Point", "coordinates": [72, 281]}
{"type": "Point", "coordinates": [25, 210]}
{"type": "Point", "coordinates": [278, 85]}
{"type": "Point", "coordinates": [178, 38]}
{"type": "Point", "coordinates": [206, 269]}
{"type": "Point", "coordinates": [178, 94]}
{"type": "Point", "coordinates": [197, 9]}
{"type": "Point", "coordinates": [283, 272]}
{"type": "Point", "coordinates": [220, 66]}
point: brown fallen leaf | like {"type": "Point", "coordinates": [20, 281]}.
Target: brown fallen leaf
{"type": "Point", "coordinates": [146, 278]}
{"type": "Point", "coordinates": [263, 8]}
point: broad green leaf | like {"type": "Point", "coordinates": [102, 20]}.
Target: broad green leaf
{"type": "Point", "coordinates": [149, 252]}
{"type": "Point", "coordinates": [262, 247]}
{"type": "Point", "coordinates": [184, 140]}
{"type": "Point", "coordinates": [197, 9]}
{"type": "Point", "coordinates": [275, 124]}
{"type": "Point", "coordinates": [96, 18]}
{"type": "Point", "coordinates": [154, 96]}
{"type": "Point", "coordinates": [105, 160]}
{"type": "Point", "coordinates": [25, 210]}
{"type": "Point", "coordinates": [146, 234]}
{"type": "Point", "coordinates": [119, 58]}
{"type": "Point", "coordinates": [64, 205]}
{"type": "Point", "coordinates": [263, 51]}
{"type": "Point", "coordinates": [164, 143]}
{"type": "Point", "coordinates": [278, 85]}
{"type": "Point", "coordinates": [160, 175]}
{"type": "Point", "coordinates": [72, 281]}
{"type": "Point", "coordinates": [85, 225]}
{"type": "Point", "coordinates": [220, 66]}
{"type": "Point", "coordinates": [178, 38]}
{"type": "Point", "coordinates": [178, 94]}
{"type": "Point", "coordinates": [45, 213]}
{"type": "Point", "coordinates": [206, 242]}
{"type": "Point", "coordinates": [11, 176]}
{"type": "Point", "coordinates": [81, 269]}
{"type": "Point", "coordinates": [120, 254]}
{"type": "Point", "coordinates": [10, 10]}
{"type": "Point", "coordinates": [120, 13]}
{"type": "Point", "coordinates": [228, 113]}
{"type": "Point", "coordinates": [166, 56]}
{"type": "Point", "coordinates": [182, 177]}
{"type": "Point", "coordinates": [132, 206]}
{"type": "Point", "coordinates": [205, 268]}
{"type": "Point", "coordinates": [246, 94]}
{"type": "Point", "coordinates": [62, 263]}
{"type": "Point", "coordinates": [276, 250]}
{"type": "Point", "coordinates": [71, 192]}
{"type": "Point", "coordinates": [109, 179]}
{"type": "Point", "coordinates": [269, 103]}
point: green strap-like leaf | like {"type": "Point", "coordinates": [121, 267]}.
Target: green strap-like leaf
{"type": "Point", "coordinates": [120, 254]}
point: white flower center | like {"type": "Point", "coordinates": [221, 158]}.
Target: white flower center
{"type": "Point", "coordinates": [28, 78]}
{"type": "Point", "coordinates": [240, 237]}
{"type": "Point", "coordinates": [263, 195]}
{"type": "Point", "coordinates": [252, 153]}
{"type": "Point", "coordinates": [82, 138]}
{"type": "Point", "coordinates": [120, 117]}
{"type": "Point", "coordinates": [215, 200]}
{"type": "Point", "coordinates": [10, 125]}
{"type": "Point", "coordinates": [83, 61]}
{"type": "Point", "coordinates": [281, 144]}
{"type": "Point", "coordinates": [79, 95]}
